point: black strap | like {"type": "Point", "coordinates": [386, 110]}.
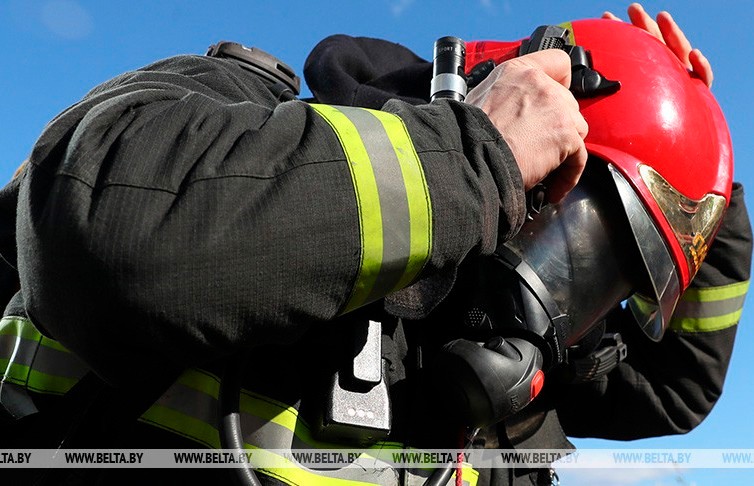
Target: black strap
{"type": "Point", "coordinates": [280, 78]}
{"type": "Point", "coordinates": [612, 350]}
{"type": "Point", "coordinates": [559, 320]}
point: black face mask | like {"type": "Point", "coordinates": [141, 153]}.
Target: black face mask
{"type": "Point", "coordinates": [570, 264]}
{"type": "Point", "coordinates": [542, 292]}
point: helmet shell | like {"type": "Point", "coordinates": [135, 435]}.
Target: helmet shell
{"type": "Point", "coordinates": [666, 142]}
{"type": "Point", "coordinates": [663, 116]}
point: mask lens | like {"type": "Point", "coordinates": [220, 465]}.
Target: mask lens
{"type": "Point", "coordinates": [583, 252]}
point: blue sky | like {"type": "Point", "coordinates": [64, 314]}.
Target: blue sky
{"type": "Point", "coordinates": [56, 50]}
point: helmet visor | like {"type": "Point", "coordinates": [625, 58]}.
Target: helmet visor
{"type": "Point", "coordinates": [651, 307]}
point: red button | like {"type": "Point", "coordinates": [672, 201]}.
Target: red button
{"type": "Point", "coordinates": [536, 383]}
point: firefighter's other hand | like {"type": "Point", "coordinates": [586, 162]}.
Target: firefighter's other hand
{"type": "Point", "coordinates": [667, 31]}
{"type": "Point", "coordinates": [528, 100]}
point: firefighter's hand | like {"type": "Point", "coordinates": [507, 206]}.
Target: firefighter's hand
{"type": "Point", "coordinates": [528, 100]}
{"type": "Point", "coordinates": [667, 31]}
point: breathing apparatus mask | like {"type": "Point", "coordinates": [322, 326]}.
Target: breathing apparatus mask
{"type": "Point", "coordinates": [634, 230]}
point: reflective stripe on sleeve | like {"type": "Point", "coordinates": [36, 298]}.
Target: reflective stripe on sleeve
{"type": "Point", "coordinates": [710, 309]}
{"type": "Point", "coordinates": [392, 197]}
{"type": "Point", "coordinates": [38, 363]}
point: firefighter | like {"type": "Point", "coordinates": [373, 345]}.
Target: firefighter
{"type": "Point", "coordinates": [184, 213]}
{"type": "Point", "coordinates": [654, 390]}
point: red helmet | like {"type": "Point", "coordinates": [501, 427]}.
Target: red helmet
{"type": "Point", "coordinates": [666, 143]}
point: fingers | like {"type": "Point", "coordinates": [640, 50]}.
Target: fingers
{"type": "Point", "coordinates": [554, 62]}
{"type": "Point", "coordinates": [674, 37]}
{"type": "Point", "coordinates": [560, 182]}
{"type": "Point", "coordinates": [667, 31]}
{"type": "Point", "coordinates": [582, 128]}
{"type": "Point", "coordinates": [526, 99]}
{"type": "Point", "coordinates": [701, 66]}
{"type": "Point", "coordinates": [641, 19]}
{"type": "Point", "coordinates": [574, 155]}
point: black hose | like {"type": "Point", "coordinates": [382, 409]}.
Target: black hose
{"type": "Point", "coordinates": [229, 418]}
{"type": "Point", "coordinates": [441, 475]}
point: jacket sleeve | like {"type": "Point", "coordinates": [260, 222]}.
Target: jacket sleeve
{"type": "Point", "coordinates": [670, 387]}
{"type": "Point", "coordinates": [179, 213]}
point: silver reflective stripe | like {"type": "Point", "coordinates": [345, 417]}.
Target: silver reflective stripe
{"type": "Point", "coordinates": [396, 226]}
{"type": "Point", "coordinates": [392, 200]}
{"type": "Point", "coordinates": [18, 350]}
{"type": "Point", "coordinates": [34, 361]}
{"type": "Point", "coordinates": [31, 361]}
{"type": "Point", "coordinates": [202, 406]}
{"type": "Point", "coordinates": [189, 408]}
{"type": "Point", "coordinates": [709, 309]}
{"type": "Point", "coordinates": [44, 359]}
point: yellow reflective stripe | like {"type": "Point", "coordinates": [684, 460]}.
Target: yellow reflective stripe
{"type": "Point", "coordinates": [468, 470]}
{"type": "Point", "coordinates": [35, 380]}
{"type": "Point", "coordinates": [419, 207]}
{"type": "Point", "coordinates": [51, 343]}
{"type": "Point", "coordinates": [297, 476]}
{"type": "Point", "coordinates": [710, 294]}
{"type": "Point", "coordinates": [474, 475]}
{"type": "Point", "coordinates": [202, 381]}
{"type": "Point", "coordinates": [16, 326]}
{"type": "Point", "coordinates": [30, 346]}
{"type": "Point", "coordinates": [203, 430]}
{"type": "Point", "coordinates": [200, 431]}
{"type": "Point", "coordinates": [182, 424]}
{"type": "Point", "coordinates": [288, 417]}
{"type": "Point", "coordinates": [14, 372]}
{"type": "Point", "coordinates": [23, 328]}
{"type": "Point", "coordinates": [392, 200]}
{"type": "Point", "coordinates": [710, 309]}
{"type": "Point", "coordinates": [705, 324]}
{"type": "Point", "coordinates": [265, 408]}
{"type": "Point", "coordinates": [262, 407]}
